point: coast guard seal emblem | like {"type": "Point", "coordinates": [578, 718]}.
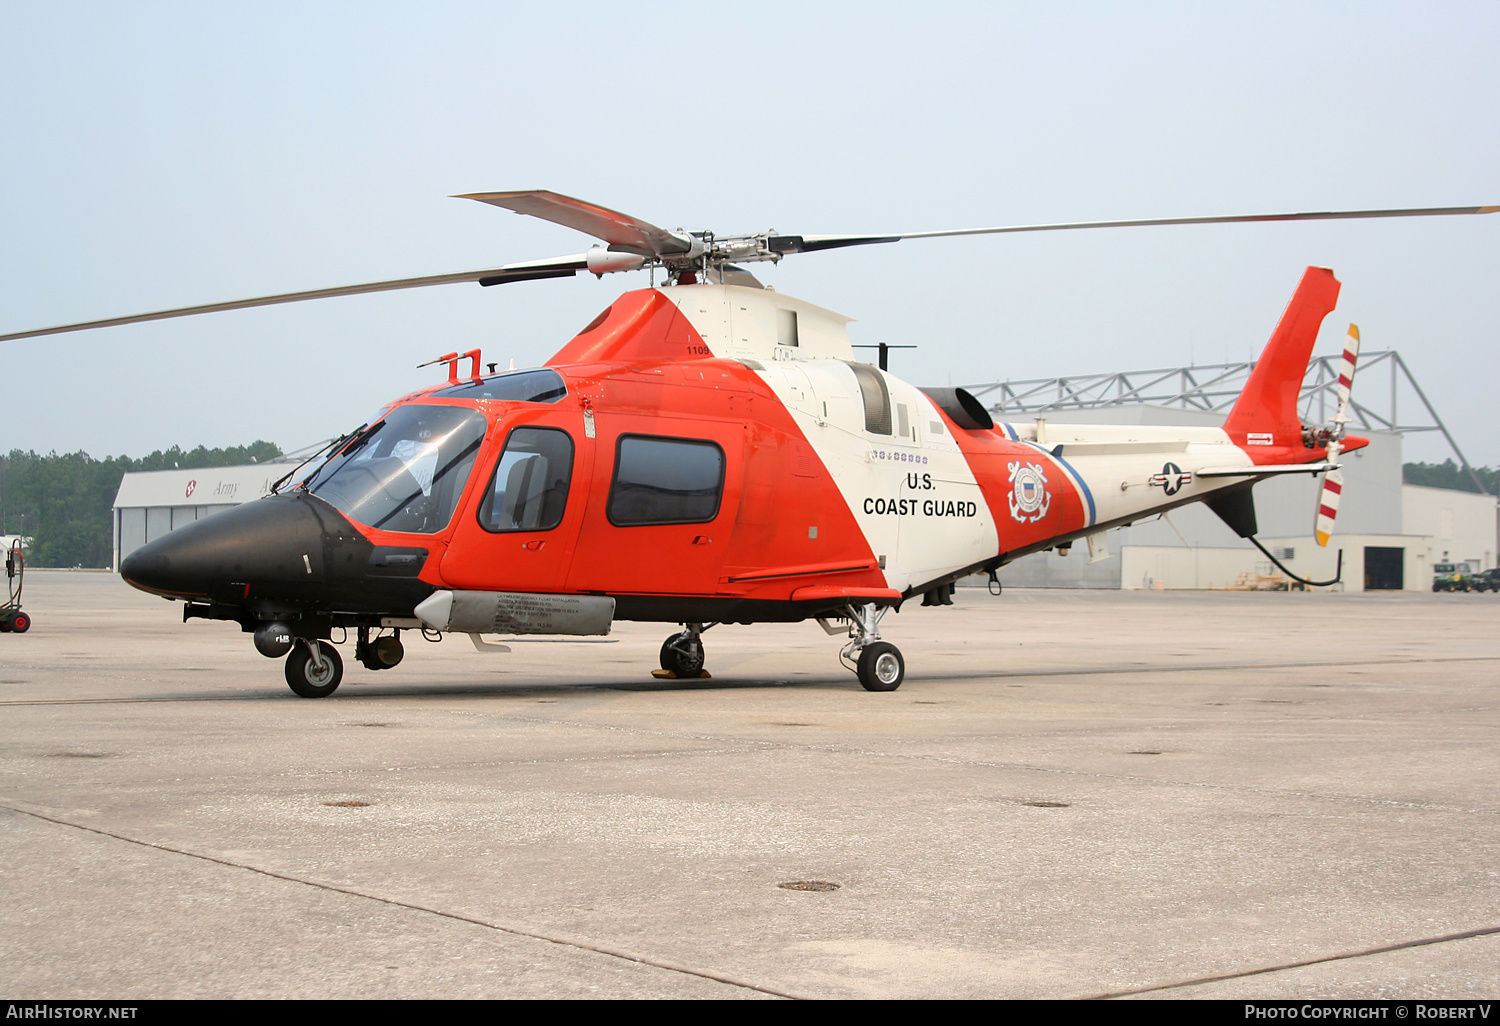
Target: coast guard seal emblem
{"type": "Point", "coordinates": [1029, 500]}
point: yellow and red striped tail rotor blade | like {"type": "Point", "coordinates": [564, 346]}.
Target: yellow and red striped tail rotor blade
{"type": "Point", "coordinates": [1346, 374]}
{"type": "Point", "coordinates": [1328, 506]}
{"type": "Point", "coordinates": [1333, 481]}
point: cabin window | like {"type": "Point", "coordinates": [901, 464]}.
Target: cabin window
{"type": "Point", "coordinates": [529, 489]}
{"type": "Point", "coordinates": [877, 398]}
{"type": "Point", "coordinates": [405, 473]}
{"type": "Point", "coordinates": [665, 481]}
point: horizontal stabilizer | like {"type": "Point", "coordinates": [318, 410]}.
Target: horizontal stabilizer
{"type": "Point", "coordinates": [1270, 468]}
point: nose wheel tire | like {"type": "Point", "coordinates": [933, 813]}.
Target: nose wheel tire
{"type": "Point", "coordinates": [881, 667]}
{"type": "Point", "coordinates": [682, 654]}
{"type": "Point", "coordinates": [307, 678]}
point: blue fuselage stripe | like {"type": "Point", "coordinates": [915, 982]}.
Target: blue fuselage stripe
{"type": "Point", "coordinates": [1083, 487]}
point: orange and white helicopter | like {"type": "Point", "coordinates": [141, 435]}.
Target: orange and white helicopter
{"type": "Point", "coordinates": [704, 452]}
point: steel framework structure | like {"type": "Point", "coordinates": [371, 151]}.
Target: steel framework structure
{"type": "Point", "coordinates": [1213, 388]}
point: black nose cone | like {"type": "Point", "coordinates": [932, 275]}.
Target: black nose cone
{"type": "Point", "coordinates": [282, 545]}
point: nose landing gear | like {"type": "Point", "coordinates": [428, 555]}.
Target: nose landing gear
{"type": "Point", "coordinates": [314, 668]}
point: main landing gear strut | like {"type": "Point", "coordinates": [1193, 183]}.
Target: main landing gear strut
{"type": "Point", "coordinates": [878, 664]}
{"type": "Point", "coordinates": [682, 654]}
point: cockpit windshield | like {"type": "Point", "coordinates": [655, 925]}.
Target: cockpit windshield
{"type": "Point", "coordinates": [405, 473]}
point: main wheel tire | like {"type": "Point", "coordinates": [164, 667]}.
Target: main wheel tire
{"type": "Point", "coordinates": [20, 623]}
{"type": "Point", "coordinates": [881, 667]}
{"type": "Point", "coordinates": [303, 676]}
{"type": "Point", "coordinates": [682, 654]}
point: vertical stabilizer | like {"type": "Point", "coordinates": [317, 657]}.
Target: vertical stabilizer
{"type": "Point", "coordinates": [1266, 412]}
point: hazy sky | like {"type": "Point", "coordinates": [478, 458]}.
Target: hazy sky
{"type": "Point", "coordinates": [166, 154]}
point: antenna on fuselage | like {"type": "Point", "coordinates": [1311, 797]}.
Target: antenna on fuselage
{"type": "Point", "coordinates": [885, 349]}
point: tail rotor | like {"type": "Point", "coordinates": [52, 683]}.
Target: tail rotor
{"type": "Point", "coordinates": [1333, 480]}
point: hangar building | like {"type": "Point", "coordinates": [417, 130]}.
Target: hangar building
{"type": "Point", "coordinates": [151, 503]}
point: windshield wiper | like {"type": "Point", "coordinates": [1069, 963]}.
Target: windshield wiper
{"type": "Point", "coordinates": [343, 445]}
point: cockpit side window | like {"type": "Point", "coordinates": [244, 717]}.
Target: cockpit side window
{"type": "Point", "coordinates": [529, 489]}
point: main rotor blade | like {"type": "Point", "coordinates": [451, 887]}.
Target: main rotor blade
{"type": "Point", "coordinates": [621, 231]}
{"type": "Point", "coordinates": [632, 235]}
{"type": "Point", "coordinates": [812, 242]}
{"type": "Point", "coordinates": [508, 272]}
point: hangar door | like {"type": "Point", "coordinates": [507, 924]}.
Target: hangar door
{"type": "Point", "coordinates": [1383, 568]}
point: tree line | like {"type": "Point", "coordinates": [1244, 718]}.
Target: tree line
{"type": "Point", "coordinates": [1448, 474]}
{"type": "Point", "coordinates": [62, 503]}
